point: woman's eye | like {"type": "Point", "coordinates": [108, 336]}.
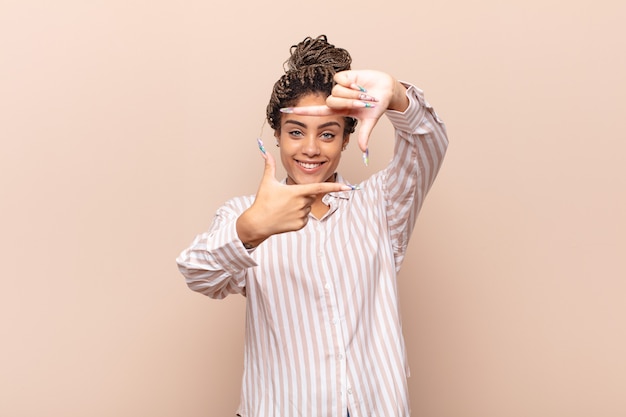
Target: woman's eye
{"type": "Point", "coordinates": [328, 136]}
{"type": "Point", "coordinates": [296, 133]}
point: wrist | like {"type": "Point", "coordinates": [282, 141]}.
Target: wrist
{"type": "Point", "coordinates": [247, 231]}
{"type": "Point", "coordinates": [399, 100]}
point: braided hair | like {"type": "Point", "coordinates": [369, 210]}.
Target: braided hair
{"type": "Point", "coordinates": [309, 70]}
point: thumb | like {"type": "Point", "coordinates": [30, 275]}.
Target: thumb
{"type": "Point", "coordinates": [367, 125]}
{"type": "Point", "coordinates": [269, 172]}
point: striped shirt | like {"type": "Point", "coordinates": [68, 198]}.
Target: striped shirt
{"type": "Point", "coordinates": [323, 328]}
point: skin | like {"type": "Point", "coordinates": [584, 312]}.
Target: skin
{"type": "Point", "coordinates": [311, 147]}
{"type": "Point", "coordinates": [388, 92]}
{"type": "Point", "coordinates": [311, 141]}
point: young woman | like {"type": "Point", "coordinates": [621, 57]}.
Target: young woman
{"type": "Point", "coordinates": [317, 258]}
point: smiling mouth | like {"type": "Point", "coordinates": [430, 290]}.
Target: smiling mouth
{"type": "Point", "coordinates": [309, 165]}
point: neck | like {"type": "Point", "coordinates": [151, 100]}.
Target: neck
{"type": "Point", "coordinates": [318, 208]}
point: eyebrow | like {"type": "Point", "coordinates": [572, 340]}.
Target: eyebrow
{"type": "Point", "coordinates": [322, 126]}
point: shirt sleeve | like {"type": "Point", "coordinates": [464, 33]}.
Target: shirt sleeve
{"type": "Point", "coordinates": [215, 264]}
{"type": "Point", "coordinates": [420, 146]}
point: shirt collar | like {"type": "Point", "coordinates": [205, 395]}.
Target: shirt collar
{"type": "Point", "coordinates": [344, 195]}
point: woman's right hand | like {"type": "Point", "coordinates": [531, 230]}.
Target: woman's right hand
{"type": "Point", "coordinates": [279, 208]}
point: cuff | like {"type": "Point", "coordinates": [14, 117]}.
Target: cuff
{"type": "Point", "coordinates": [412, 120]}
{"type": "Point", "coordinates": [228, 250]}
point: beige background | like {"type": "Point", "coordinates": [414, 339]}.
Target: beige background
{"type": "Point", "coordinates": [125, 124]}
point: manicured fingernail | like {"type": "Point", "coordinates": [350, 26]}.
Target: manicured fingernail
{"type": "Point", "coordinates": [364, 104]}
{"type": "Point", "coordinates": [366, 157]}
{"type": "Point", "coordinates": [367, 98]}
{"type": "Point", "coordinates": [261, 147]}
{"type": "Point", "coordinates": [349, 187]}
{"type": "Point", "coordinates": [358, 87]}
{"type": "Point", "coordinates": [286, 110]}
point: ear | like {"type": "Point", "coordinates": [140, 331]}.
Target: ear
{"type": "Point", "coordinates": [277, 137]}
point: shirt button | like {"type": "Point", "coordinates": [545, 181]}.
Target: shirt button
{"type": "Point", "coordinates": [327, 286]}
{"type": "Point", "coordinates": [340, 356]}
{"type": "Point", "coordinates": [349, 391]}
{"type": "Point", "coordinates": [335, 321]}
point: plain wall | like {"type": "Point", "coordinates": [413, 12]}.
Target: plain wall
{"type": "Point", "coordinates": [125, 124]}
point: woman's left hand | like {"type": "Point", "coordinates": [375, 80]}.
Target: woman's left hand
{"type": "Point", "coordinates": [364, 95]}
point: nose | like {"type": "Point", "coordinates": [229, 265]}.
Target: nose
{"type": "Point", "coordinates": [310, 146]}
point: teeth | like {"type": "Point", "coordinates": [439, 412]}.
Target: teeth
{"type": "Point", "coordinates": [308, 165]}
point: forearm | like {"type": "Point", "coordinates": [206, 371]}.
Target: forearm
{"type": "Point", "coordinates": [249, 231]}
{"type": "Point", "coordinates": [214, 272]}
{"type": "Point", "coordinates": [420, 147]}
{"type": "Point", "coordinates": [215, 264]}
{"type": "Point", "coordinates": [421, 143]}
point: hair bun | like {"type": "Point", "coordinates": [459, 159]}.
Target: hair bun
{"type": "Point", "coordinates": [318, 52]}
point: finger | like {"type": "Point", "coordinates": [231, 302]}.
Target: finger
{"type": "Point", "coordinates": [308, 199]}
{"type": "Point", "coordinates": [269, 172]}
{"type": "Point", "coordinates": [309, 110]}
{"type": "Point", "coordinates": [320, 188]}
{"type": "Point", "coordinates": [363, 135]}
{"type": "Point", "coordinates": [354, 92]}
{"type": "Point", "coordinates": [348, 104]}
{"type": "Point", "coordinates": [347, 85]}
{"type": "Point", "coordinates": [334, 105]}
{"type": "Point", "coordinates": [366, 97]}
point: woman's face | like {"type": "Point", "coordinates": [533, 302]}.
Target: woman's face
{"type": "Point", "coordinates": [311, 146]}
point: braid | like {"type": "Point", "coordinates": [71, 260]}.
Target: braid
{"type": "Point", "coordinates": [309, 70]}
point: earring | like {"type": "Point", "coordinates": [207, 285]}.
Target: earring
{"type": "Point", "coordinates": [277, 145]}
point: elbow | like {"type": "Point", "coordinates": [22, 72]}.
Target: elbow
{"type": "Point", "coordinates": [213, 284]}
